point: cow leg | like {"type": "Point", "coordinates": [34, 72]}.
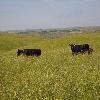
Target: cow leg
{"type": "Point", "coordinates": [76, 53]}
{"type": "Point", "coordinates": [83, 52]}
{"type": "Point", "coordinates": [88, 51]}
{"type": "Point", "coordinates": [73, 53]}
{"type": "Point", "coordinates": [91, 51]}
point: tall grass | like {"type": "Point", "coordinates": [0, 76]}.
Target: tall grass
{"type": "Point", "coordinates": [55, 75]}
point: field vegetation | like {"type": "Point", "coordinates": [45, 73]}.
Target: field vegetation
{"type": "Point", "coordinates": [56, 74]}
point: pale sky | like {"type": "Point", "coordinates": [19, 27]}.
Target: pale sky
{"type": "Point", "coordinates": [38, 14]}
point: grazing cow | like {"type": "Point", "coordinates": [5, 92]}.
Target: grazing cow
{"type": "Point", "coordinates": [79, 48]}
{"type": "Point", "coordinates": [29, 52]}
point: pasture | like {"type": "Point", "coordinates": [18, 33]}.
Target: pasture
{"type": "Point", "coordinates": [55, 75]}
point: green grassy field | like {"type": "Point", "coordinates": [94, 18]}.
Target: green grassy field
{"type": "Point", "coordinates": [55, 75]}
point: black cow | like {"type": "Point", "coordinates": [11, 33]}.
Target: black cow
{"type": "Point", "coordinates": [79, 48]}
{"type": "Point", "coordinates": [29, 52]}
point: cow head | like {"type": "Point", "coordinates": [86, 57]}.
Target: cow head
{"type": "Point", "coordinates": [19, 52]}
{"type": "Point", "coordinates": [72, 47]}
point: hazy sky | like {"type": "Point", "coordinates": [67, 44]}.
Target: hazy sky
{"type": "Point", "coordinates": [27, 14]}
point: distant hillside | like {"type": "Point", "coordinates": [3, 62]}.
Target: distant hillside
{"type": "Point", "coordinates": [69, 29]}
